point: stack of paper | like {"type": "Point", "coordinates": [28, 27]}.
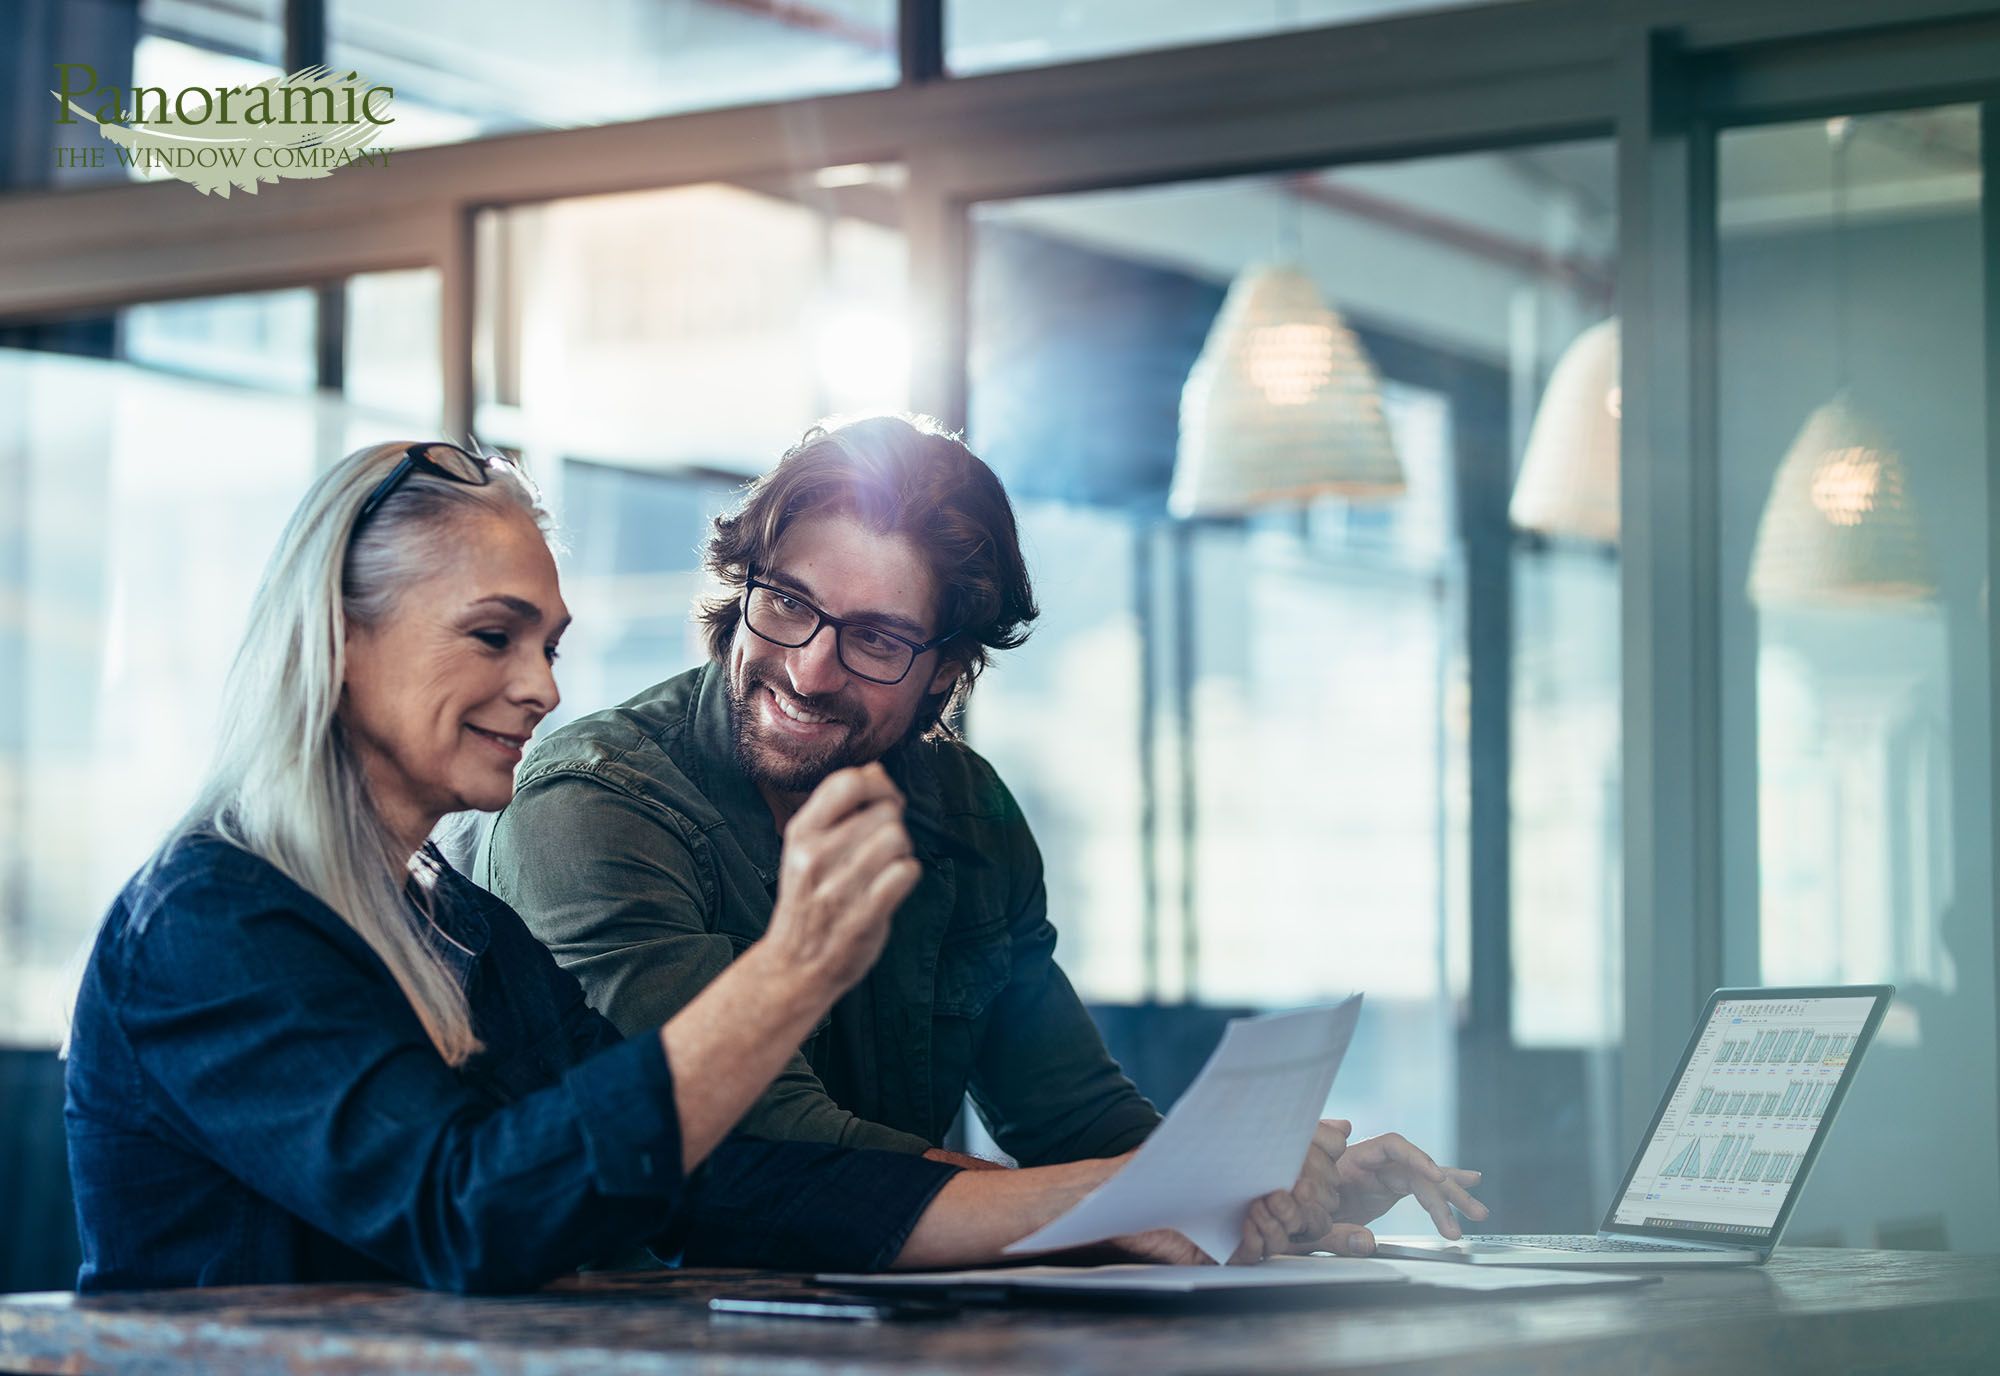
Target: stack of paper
{"type": "Point", "coordinates": [1289, 1274]}
{"type": "Point", "coordinates": [1136, 1278]}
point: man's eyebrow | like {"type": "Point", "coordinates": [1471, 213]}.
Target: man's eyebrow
{"type": "Point", "coordinates": [886, 620]}
{"type": "Point", "coordinates": [522, 608]}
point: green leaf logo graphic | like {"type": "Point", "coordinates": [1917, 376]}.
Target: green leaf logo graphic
{"type": "Point", "coordinates": [299, 133]}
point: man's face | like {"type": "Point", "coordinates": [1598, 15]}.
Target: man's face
{"type": "Point", "coordinates": [798, 714]}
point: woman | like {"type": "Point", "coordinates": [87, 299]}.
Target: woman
{"type": "Point", "coordinates": [305, 1049]}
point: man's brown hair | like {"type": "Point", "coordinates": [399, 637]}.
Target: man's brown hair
{"type": "Point", "coordinates": [896, 475]}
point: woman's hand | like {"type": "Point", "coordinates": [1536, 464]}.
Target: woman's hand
{"type": "Point", "coordinates": [847, 866]}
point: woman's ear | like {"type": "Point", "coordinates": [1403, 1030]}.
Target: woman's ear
{"type": "Point", "coordinates": [351, 632]}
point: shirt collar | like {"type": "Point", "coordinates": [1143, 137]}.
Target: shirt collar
{"type": "Point", "coordinates": [457, 928]}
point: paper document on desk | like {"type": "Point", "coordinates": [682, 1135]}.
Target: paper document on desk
{"type": "Point", "coordinates": [1240, 1131]}
{"type": "Point", "coordinates": [1138, 1278]}
{"type": "Point", "coordinates": [1445, 1276]}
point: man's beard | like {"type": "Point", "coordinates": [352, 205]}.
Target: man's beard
{"type": "Point", "coordinates": [789, 768]}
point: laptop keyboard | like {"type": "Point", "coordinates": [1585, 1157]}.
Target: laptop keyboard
{"type": "Point", "coordinates": [1570, 1242]}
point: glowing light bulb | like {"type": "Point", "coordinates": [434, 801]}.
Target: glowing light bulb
{"type": "Point", "coordinates": [1846, 484]}
{"type": "Point", "coordinates": [1289, 363]}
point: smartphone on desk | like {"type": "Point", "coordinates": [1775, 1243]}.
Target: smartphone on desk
{"type": "Point", "coordinates": [852, 1308]}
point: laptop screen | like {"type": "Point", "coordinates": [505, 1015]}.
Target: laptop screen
{"type": "Point", "coordinates": [1746, 1113]}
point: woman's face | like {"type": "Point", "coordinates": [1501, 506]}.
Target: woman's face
{"type": "Point", "coordinates": [441, 696]}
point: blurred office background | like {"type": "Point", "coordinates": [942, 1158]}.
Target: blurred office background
{"type": "Point", "coordinates": [1624, 630]}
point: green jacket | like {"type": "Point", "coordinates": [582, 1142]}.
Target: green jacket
{"type": "Point", "coordinates": [646, 860]}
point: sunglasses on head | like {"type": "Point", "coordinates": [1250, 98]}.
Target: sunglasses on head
{"type": "Point", "coordinates": [436, 458]}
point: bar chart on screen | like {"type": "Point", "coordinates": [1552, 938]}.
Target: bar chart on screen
{"type": "Point", "coordinates": [1742, 1116]}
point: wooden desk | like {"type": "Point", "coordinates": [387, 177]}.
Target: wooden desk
{"type": "Point", "coordinates": [1809, 1310]}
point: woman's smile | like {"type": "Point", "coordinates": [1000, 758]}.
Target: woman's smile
{"type": "Point", "coordinates": [510, 747]}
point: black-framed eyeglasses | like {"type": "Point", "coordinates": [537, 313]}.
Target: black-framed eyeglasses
{"type": "Point", "coordinates": [437, 458]}
{"type": "Point", "coordinates": [864, 650]}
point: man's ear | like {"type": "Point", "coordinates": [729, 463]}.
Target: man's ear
{"type": "Point", "coordinates": [947, 674]}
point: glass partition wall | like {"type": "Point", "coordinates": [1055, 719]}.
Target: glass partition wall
{"type": "Point", "coordinates": [1263, 746]}
{"type": "Point", "coordinates": [1852, 394]}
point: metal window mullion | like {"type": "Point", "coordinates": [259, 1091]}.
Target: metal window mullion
{"type": "Point", "coordinates": [305, 45]}
{"type": "Point", "coordinates": [306, 40]}
{"type": "Point", "coordinates": [1672, 802]}
{"type": "Point", "coordinates": [456, 257]}
{"type": "Point", "coordinates": [1989, 225]}
{"type": "Point", "coordinates": [920, 40]}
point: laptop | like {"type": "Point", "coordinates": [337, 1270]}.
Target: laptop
{"type": "Point", "coordinates": [1718, 1172]}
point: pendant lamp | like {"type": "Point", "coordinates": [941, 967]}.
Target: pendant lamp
{"type": "Point", "coordinates": [1282, 404]}
{"type": "Point", "coordinates": [1569, 474]}
{"type": "Point", "coordinates": [1838, 528]}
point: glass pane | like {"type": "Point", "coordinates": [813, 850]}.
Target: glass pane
{"type": "Point", "coordinates": [243, 30]}
{"type": "Point", "coordinates": [169, 44]}
{"type": "Point", "coordinates": [1853, 377]}
{"type": "Point", "coordinates": [1567, 964]}
{"type": "Point", "coordinates": [644, 353]}
{"type": "Point", "coordinates": [1087, 564]}
{"type": "Point", "coordinates": [134, 539]}
{"type": "Point", "coordinates": [393, 363]}
{"type": "Point", "coordinates": [259, 339]}
{"type": "Point", "coordinates": [463, 68]}
{"type": "Point", "coordinates": [1280, 814]}
{"type": "Point", "coordinates": [984, 37]}
{"type": "Point", "coordinates": [148, 459]}
{"type": "Point", "coordinates": [185, 43]}
{"type": "Point", "coordinates": [631, 571]}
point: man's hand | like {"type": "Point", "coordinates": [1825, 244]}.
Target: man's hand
{"type": "Point", "coordinates": [847, 866]}
{"type": "Point", "coordinates": [1343, 1188]}
{"type": "Point", "coordinates": [1375, 1173]}
{"type": "Point", "coordinates": [1301, 1219]}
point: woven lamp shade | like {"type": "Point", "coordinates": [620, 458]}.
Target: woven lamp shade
{"type": "Point", "coordinates": [1569, 475]}
{"type": "Point", "coordinates": [1838, 529]}
{"type": "Point", "coordinates": [1282, 404]}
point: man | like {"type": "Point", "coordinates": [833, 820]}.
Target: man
{"type": "Point", "coordinates": [868, 576]}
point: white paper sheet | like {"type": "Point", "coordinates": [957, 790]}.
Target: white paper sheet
{"type": "Point", "coordinates": [1138, 1278]}
{"type": "Point", "coordinates": [1445, 1275]}
{"type": "Point", "coordinates": [1240, 1131]}
{"type": "Point", "coordinates": [1278, 1273]}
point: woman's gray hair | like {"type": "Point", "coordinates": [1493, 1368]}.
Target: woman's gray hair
{"type": "Point", "coordinates": [285, 783]}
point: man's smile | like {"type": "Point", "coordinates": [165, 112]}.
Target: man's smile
{"type": "Point", "coordinates": [791, 718]}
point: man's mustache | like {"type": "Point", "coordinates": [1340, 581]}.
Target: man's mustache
{"type": "Point", "coordinates": [821, 704]}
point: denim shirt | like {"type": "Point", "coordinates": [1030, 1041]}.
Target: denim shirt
{"type": "Point", "coordinates": [252, 1100]}
{"type": "Point", "coordinates": [638, 849]}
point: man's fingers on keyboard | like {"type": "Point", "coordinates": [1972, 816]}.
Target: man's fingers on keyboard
{"type": "Point", "coordinates": [1464, 1202]}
